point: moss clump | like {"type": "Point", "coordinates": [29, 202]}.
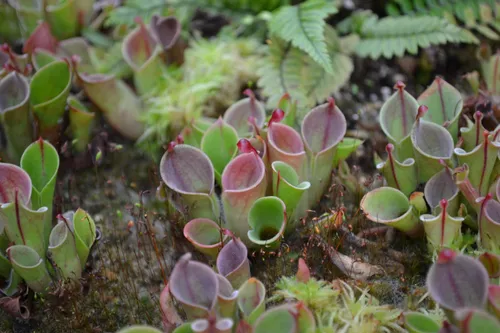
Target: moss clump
{"type": "Point", "coordinates": [338, 307]}
{"type": "Point", "coordinates": [208, 82]}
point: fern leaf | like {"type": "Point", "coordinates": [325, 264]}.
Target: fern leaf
{"type": "Point", "coordinates": [287, 69]}
{"type": "Point", "coordinates": [477, 15]}
{"type": "Point", "coordinates": [393, 36]}
{"type": "Point", "coordinates": [303, 26]}
{"type": "Point", "coordinates": [486, 31]}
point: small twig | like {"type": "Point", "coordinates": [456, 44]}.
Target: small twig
{"type": "Point", "coordinates": [152, 238]}
{"type": "Point", "coordinates": [375, 231]}
{"type": "Point", "coordinates": [353, 268]}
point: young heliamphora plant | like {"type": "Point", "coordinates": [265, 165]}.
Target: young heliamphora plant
{"type": "Point", "coordinates": [239, 113]}
{"type": "Point", "coordinates": [219, 143]}
{"type": "Point", "coordinates": [445, 105]}
{"type": "Point", "coordinates": [233, 264]}
{"type": "Point", "coordinates": [243, 182]}
{"type": "Point", "coordinates": [267, 219]}
{"type": "Point", "coordinates": [481, 161]}
{"type": "Point", "coordinates": [81, 121]}
{"type": "Point", "coordinates": [141, 53]}
{"type": "Point", "coordinates": [63, 18]}
{"type": "Point", "coordinates": [188, 171]}
{"type": "Point", "coordinates": [49, 101]}
{"type": "Point", "coordinates": [83, 228]}
{"type": "Point", "coordinates": [459, 284]}
{"type": "Point", "coordinates": [202, 293]}
{"type": "Point", "coordinates": [489, 223]}
{"type": "Point", "coordinates": [322, 129]}
{"type": "Point", "coordinates": [62, 252]}
{"type": "Point", "coordinates": [287, 318]}
{"type": "Point", "coordinates": [396, 120]}
{"type": "Point", "coordinates": [15, 114]}
{"type": "Point", "coordinates": [469, 192]}
{"type": "Point", "coordinates": [442, 230]}
{"type": "Point", "coordinates": [226, 298]}
{"type": "Point", "coordinates": [36, 249]}
{"type": "Point", "coordinates": [206, 236]}
{"type": "Point", "coordinates": [432, 144]}
{"type": "Point", "coordinates": [472, 134]}
{"type": "Point", "coordinates": [41, 161]}
{"type": "Point", "coordinates": [195, 286]}
{"type": "Point", "coordinates": [119, 104]}
{"type": "Point", "coordinates": [286, 186]}
{"type": "Point", "coordinates": [285, 145]}
{"type": "Point", "coordinates": [400, 175]}
{"type": "Point", "coordinates": [67, 252]}
{"type": "Point", "coordinates": [437, 148]}
{"type": "Point", "coordinates": [30, 266]}
{"type": "Point", "coordinates": [167, 32]}
{"type": "Point", "coordinates": [417, 322]}
{"type": "Point", "coordinates": [391, 207]}
{"type": "Point", "coordinates": [23, 226]}
{"type": "Point", "coordinates": [252, 300]}
{"type": "Point", "coordinates": [274, 160]}
{"type": "Point", "coordinates": [442, 187]}
{"type": "Point", "coordinates": [456, 281]}
{"type": "Point", "coordinates": [475, 320]}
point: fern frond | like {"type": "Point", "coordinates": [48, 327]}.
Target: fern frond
{"type": "Point", "coordinates": [288, 69]}
{"type": "Point", "coordinates": [303, 25]}
{"type": "Point", "coordinates": [393, 36]}
{"type": "Point", "coordinates": [482, 16]}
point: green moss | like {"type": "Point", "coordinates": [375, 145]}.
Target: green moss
{"type": "Point", "coordinates": [339, 307]}
{"type": "Point", "coordinates": [208, 82]}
